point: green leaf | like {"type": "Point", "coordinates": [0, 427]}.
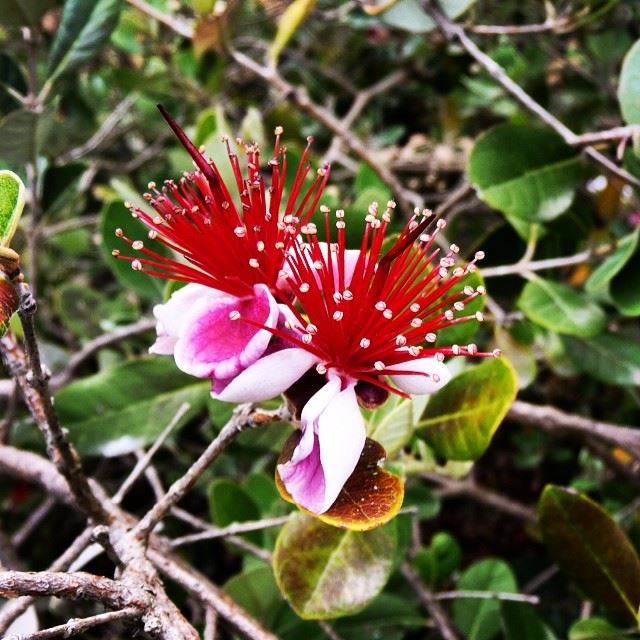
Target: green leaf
{"type": "Point", "coordinates": [629, 86]}
{"type": "Point", "coordinates": [229, 502]}
{"type": "Point", "coordinates": [437, 562]}
{"type": "Point", "coordinates": [462, 417]}
{"type": "Point", "coordinates": [601, 277]}
{"type": "Point", "coordinates": [521, 622]}
{"type": "Point", "coordinates": [114, 216]}
{"type": "Point", "coordinates": [560, 308]}
{"type": "Point", "coordinates": [12, 199]}
{"type": "Point", "coordinates": [84, 27]}
{"type": "Point", "coordinates": [256, 591]}
{"type": "Point", "coordinates": [462, 332]}
{"type": "Point", "coordinates": [124, 408]}
{"type": "Point", "coordinates": [22, 134]}
{"type": "Point", "coordinates": [393, 423]}
{"type": "Point", "coordinates": [19, 13]}
{"type": "Point", "coordinates": [520, 354]}
{"type": "Point", "coordinates": [526, 172]}
{"type": "Point", "coordinates": [594, 629]}
{"type": "Point", "coordinates": [625, 288]}
{"type": "Point", "coordinates": [479, 619]}
{"type": "Point", "coordinates": [326, 572]}
{"type": "Point", "coordinates": [288, 24]}
{"type": "Point", "coordinates": [611, 358]}
{"type": "Point", "coordinates": [591, 549]}
{"type": "Point", "coordinates": [409, 15]}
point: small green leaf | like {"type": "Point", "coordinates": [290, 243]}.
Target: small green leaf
{"type": "Point", "coordinates": [326, 572]}
{"type": "Point", "coordinates": [601, 277]}
{"type": "Point", "coordinates": [594, 629]}
{"type": "Point", "coordinates": [229, 502]}
{"type": "Point", "coordinates": [479, 619]}
{"type": "Point", "coordinates": [462, 417]}
{"type": "Point", "coordinates": [560, 308]}
{"type": "Point", "coordinates": [22, 134]}
{"type": "Point", "coordinates": [408, 15]}
{"type": "Point", "coordinates": [392, 424]}
{"type": "Point", "coordinates": [526, 172]}
{"type": "Point", "coordinates": [611, 358]}
{"type": "Point", "coordinates": [257, 592]}
{"type": "Point", "coordinates": [521, 622]}
{"type": "Point", "coordinates": [591, 549]}
{"type": "Point", "coordinates": [629, 86]}
{"type": "Point", "coordinates": [84, 27]}
{"type": "Point", "coordinates": [437, 562]}
{"type": "Point", "coordinates": [124, 408]}
{"type": "Point", "coordinates": [12, 199]}
{"type": "Point", "coordinates": [288, 24]}
{"type": "Point", "coordinates": [625, 288]}
{"type": "Point", "coordinates": [520, 354]}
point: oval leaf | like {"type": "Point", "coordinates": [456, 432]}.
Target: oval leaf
{"type": "Point", "coordinates": [84, 28]}
{"type": "Point", "coordinates": [370, 497]}
{"type": "Point", "coordinates": [479, 619]}
{"type": "Point", "coordinates": [629, 87]}
{"type": "Point", "coordinates": [526, 172]}
{"type": "Point", "coordinates": [603, 275]}
{"type": "Point", "coordinates": [611, 358]}
{"type": "Point", "coordinates": [560, 308]}
{"type": "Point", "coordinates": [591, 548]}
{"type": "Point", "coordinates": [462, 417]}
{"type": "Point", "coordinates": [288, 24]}
{"type": "Point", "coordinates": [126, 407]}
{"type": "Point", "coordinates": [595, 629]}
{"type": "Point", "coordinates": [625, 288]}
{"type": "Point", "coordinates": [409, 15]}
{"type": "Point", "coordinates": [12, 199]}
{"type": "Point", "coordinates": [326, 572]}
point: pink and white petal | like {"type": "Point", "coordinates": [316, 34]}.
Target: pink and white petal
{"type": "Point", "coordinates": [432, 375]}
{"type": "Point", "coordinates": [164, 344]}
{"type": "Point", "coordinates": [212, 344]}
{"type": "Point", "coordinates": [267, 377]}
{"type": "Point", "coordinates": [341, 435]}
{"type": "Point", "coordinates": [318, 402]}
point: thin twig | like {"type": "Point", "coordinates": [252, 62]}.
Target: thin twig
{"type": "Point", "coordinates": [453, 31]}
{"type": "Point", "coordinates": [486, 595]}
{"type": "Point", "coordinates": [76, 626]}
{"type": "Point", "coordinates": [428, 601]}
{"type": "Point", "coordinates": [179, 26]}
{"type": "Point", "coordinates": [33, 521]}
{"type": "Point", "coordinates": [210, 624]}
{"type": "Point", "coordinates": [244, 417]}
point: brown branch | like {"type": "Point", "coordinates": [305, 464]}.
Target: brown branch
{"type": "Point", "coordinates": [79, 625]}
{"type": "Point", "coordinates": [455, 32]}
{"type": "Point", "coordinates": [428, 601]}
{"type": "Point", "coordinates": [244, 417]}
{"type": "Point", "coordinates": [554, 420]}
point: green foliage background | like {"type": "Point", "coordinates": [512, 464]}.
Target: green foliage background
{"type": "Point", "coordinates": [79, 81]}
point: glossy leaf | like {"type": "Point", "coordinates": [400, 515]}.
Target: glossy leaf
{"type": "Point", "coordinates": [595, 629]}
{"type": "Point", "coordinates": [629, 86]}
{"type": "Point", "coordinates": [12, 199]}
{"type": "Point", "coordinates": [288, 24]}
{"type": "Point", "coordinates": [526, 172]}
{"type": "Point", "coordinates": [520, 354]}
{"type": "Point", "coordinates": [462, 417]}
{"type": "Point", "coordinates": [560, 308]}
{"type": "Point", "coordinates": [611, 358]}
{"type": "Point", "coordinates": [625, 288]}
{"type": "Point", "coordinates": [408, 15]}
{"type": "Point", "coordinates": [393, 423]}
{"type": "Point", "coordinates": [371, 496]}
{"type": "Point", "coordinates": [229, 502]}
{"type": "Point", "coordinates": [521, 622]}
{"type": "Point", "coordinates": [601, 277]}
{"type": "Point", "coordinates": [437, 562]}
{"type": "Point", "coordinates": [126, 407]}
{"type": "Point", "coordinates": [84, 27]}
{"type": "Point", "coordinates": [326, 572]}
{"type": "Point", "coordinates": [591, 548]}
{"type": "Point", "coordinates": [479, 619]}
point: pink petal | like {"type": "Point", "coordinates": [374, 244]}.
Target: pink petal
{"type": "Point", "coordinates": [433, 375]}
{"type": "Point", "coordinates": [173, 314]}
{"type": "Point", "coordinates": [332, 440]}
{"type": "Point", "coordinates": [266, 378]}
{"type": "Point", "coordinates": [212, 344]}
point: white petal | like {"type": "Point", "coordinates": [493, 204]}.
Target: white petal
{"type": "Point", "coordinates": [433, 375]}
{"type": "Point", "coordinates": [318, 401]}
{"type": "Point", "coordinates": [342, 434]}
{"type": "Point", "coordinates": [268, 376]}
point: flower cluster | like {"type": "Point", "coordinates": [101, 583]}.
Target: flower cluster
{"type": "Point", "coordinates": [270, 309]}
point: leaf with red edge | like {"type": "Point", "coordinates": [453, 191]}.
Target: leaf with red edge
{"type": "Point", "coordinates": [325, 572]}
{"type": "Point", "coordinates": [370, 497]}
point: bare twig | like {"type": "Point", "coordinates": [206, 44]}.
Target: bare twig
{"type": "Point", "coordinates": [177, 25]}
{"type": "Point", "coordinates": [426, 596]}
{"type": "Point", "coordinates": [608, 135]}
{"type": "Point", "coordinates": [76, 626]}
{"type": "Point", "coordinates": [95, 345]}
{"type": "Point", "coordinates": [486, 595]}
{"type": "Point", "coordinates": [33, 521]}
{"type": "Point", "coordinates": [210, 624]}
{"type": "Point", "coordinates": [244, 417]}
{"type": "Point", "coordinates": [453, 31]}
{"type": "Point", "coordinates": [554, 420]}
